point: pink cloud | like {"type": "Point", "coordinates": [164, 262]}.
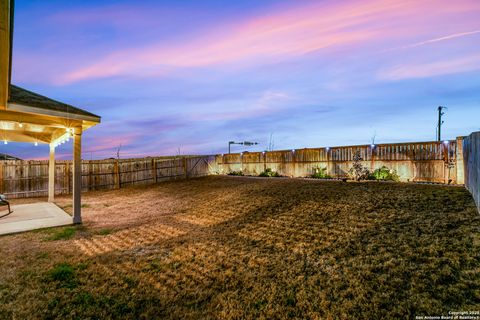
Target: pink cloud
{"type": "Point", "coordinates": [280, 35]}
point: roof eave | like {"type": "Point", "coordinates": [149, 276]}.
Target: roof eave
{"type": "Point", "coordinates": [54, 113]}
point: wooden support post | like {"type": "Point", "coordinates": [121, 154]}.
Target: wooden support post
{"type": "Point", "coordinates": [51, 174]}
{"type": "Point", "coordinates": [241, 161]}
{"type": "Point", "coordinates": [2, 177]}
{"type": "Point", "coordinates": [116, 174]}
{"type": "Point", "coordinates": [90, 176]}
{"type": "Point", "coordinates": [5, 63]}
{"type": "Point", "coordinates": [67, 175]}
{"type": "Point", "coordinates": [372, 160]}
{"type": "Point", "coordinates": [77, 175]}
{"type": "Point", "coordinates": [185, 167]}
{"type": "Point", "coordinates": [264, 161]}
{"type": "Point", "coordinates": [459, 162]}
{"type": "Point", "coordinates": [294, 161]}
{"type": "Point", "coordinates": [327, 152]}
{"type": "Point", "coordinates": [154, 170]}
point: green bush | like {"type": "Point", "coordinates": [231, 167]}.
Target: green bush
{"type": "Point", "coordinates": [269, 173]}
{"type": "Point", "coordinates": [235, 173]}
{"type": "Point", "coordinates": [384, 173]}
{"type": "Point", "coordinates": [320, 173]}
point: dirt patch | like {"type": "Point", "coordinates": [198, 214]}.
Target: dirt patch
{"type": "Point", "coordinates": [233, 247]}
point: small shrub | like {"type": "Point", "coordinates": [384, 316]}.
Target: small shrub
{"type": "Point", "coordinates": [384, 173]}
{"type": "Point", "coordinates": [269, 173]}
{"type": "Point", "coordinates": [320, 173]}
{"type": "Point", "coordinates": [236, 173]}
{"type": "Point", "coordinates": [358, 171]}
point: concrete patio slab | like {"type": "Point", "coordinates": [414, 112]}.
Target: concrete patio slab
{"type": "Point", "coordinates": [26, 217]}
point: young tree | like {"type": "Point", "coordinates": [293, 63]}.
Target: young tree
{"type": "Point", "coordinates": [358, 171]}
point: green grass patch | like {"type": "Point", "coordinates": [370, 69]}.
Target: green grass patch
{"type": "Point", "coordinates": [64, 275]}
{"type": "Point", "coordinates": [63, 234]}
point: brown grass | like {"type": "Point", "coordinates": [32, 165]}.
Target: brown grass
{"type": "Point", "coordinates": [234, 247]}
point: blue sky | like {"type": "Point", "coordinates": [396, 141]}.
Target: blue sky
{"type": "Point", "coordinates": [171, 77]}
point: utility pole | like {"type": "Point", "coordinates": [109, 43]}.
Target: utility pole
{"type": "Point", "coordinates": [440, 122]}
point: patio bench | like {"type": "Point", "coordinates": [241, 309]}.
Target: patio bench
{"type": "Point", "coordinates": [4, 202]}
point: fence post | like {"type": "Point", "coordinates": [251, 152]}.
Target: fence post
{"type": "Point", "coordinates": [154, 170]}
{"type": "Point", "coordinates": [64, 173]}
{"type": "Point", "coordinates": [185, 169]}
{"type": "Point", "coordinates": [89, 175]}
{"type": "Point", "coordinates": [372, 160]}
{"type": "Point", "coordinates": [294, 161]}
{"type": "Point", "coordinates": [459, 161]}
{"type": "Point", "coordinates": [67, 175]}
{"type": "Point", "coordinates": [116, 173]}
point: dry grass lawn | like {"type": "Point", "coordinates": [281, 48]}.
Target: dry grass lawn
{"type": "Point", "coordinates": [244, 248]}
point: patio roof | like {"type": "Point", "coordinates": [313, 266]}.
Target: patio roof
{"type": "Point", "coordinates": [31, 117]}
{"type": "Point", "coordinates": [20, 97]}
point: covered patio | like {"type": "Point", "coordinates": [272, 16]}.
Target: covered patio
{"type": "Point", "coordinates": [28, 117]}
{"type": "Point", "coordinates": [31, 216]}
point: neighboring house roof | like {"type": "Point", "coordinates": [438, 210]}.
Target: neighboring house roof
{"type": "Point", "coordinates": [4, 156]}
{"type": "Point", "coordinates": [28, 98]}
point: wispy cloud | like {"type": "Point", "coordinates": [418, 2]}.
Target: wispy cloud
{"type": "Point", "coordinates": [432, 69]}
{"type": "Point", "coordinates": [434, 40]}
{"type": "Point", "coordinates": [269, 102]}
{"type": "Point", "coordinates": [278, 36]}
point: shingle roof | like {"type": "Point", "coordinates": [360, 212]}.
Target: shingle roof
{"type": "Point", "coordinates": [4, 156]}
{"type": "Point", "coordinates": [28, 98]}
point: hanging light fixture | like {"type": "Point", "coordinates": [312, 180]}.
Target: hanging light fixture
{"type": "Point", "coordinates": [35, 144]}
{"type": "Point", "coordinates": [5, 142]}
{"type": "Point", "coordinates": [20, 125]}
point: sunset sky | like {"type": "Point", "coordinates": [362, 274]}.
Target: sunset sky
{"type": "Point", "coordinates": [188, 76]}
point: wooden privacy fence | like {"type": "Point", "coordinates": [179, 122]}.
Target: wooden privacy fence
{"type": "Point", "coordinates": [440, 162]}
{"type": "Point", "coordinates": [30, 178]}
{"type": "Point", "coordinates": [471, 164]}
{"type": "Point", "coordinates": [422, 161]}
